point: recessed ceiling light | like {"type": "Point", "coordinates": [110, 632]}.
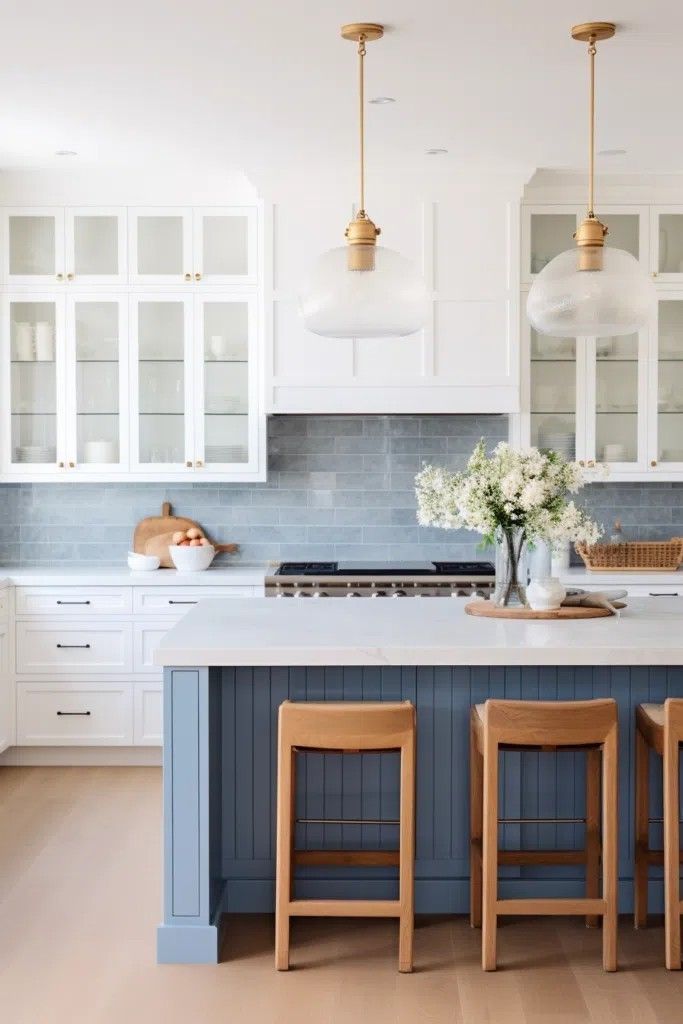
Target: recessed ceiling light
{"type": "Point", "coordinates": [66, 152]}
{"type": "Point", "coordinates": [382, 99]}
{"type": "Point", "coordinates": [611, 152]}
{"type": "Point", "coordinates": [436, 152]}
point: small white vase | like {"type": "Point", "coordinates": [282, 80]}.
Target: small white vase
{"type": "Point", "coordinates": [545, 594]}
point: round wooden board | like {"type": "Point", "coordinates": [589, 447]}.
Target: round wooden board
{"type": "Point", "coordinates": [491, 611]}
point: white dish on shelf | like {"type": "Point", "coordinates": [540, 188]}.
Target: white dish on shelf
{"type": "Point", "coordinates": [142, 563]}
{"type": "Point", "coordinates": [187, 559]}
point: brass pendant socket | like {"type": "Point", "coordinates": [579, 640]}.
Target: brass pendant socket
{"type": "Point", "coordinates": [361, 234]}
{"type": "Point", "coordinates": [590, 239]}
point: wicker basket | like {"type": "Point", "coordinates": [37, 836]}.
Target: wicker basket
{"type": "Point", "coordinates": [633, 556]}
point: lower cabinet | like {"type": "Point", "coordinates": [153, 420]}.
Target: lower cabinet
{"type": "Point", "coordinates": [148, 714]}
{"type": "Point", "coordinates": [74, 714]}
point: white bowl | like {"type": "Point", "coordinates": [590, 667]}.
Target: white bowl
{"type": "Point", "coordinates": [188, 559]}
{"type": "Point", "coordinates": [142, 563]}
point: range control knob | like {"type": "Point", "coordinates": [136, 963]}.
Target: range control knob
{"type": "Point", "coordinates": [284, 593]}
{"type": "Point", "coordinates": [399, 593]}
{"type": "Point", "coordinates": [352, 593]}
{"type": "Point", "coordinates": [301, 593]}
{"type": "Point", "coordinates": [319, 593]}
{"type": "Point", "coordinates": [378, 593]}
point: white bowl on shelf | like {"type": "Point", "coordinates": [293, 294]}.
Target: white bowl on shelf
{"type": "Point", "coordinates": [187, 559]}
{"type": "Point", "coordinates": [142, 563]}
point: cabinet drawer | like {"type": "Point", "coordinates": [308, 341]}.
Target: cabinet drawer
{"type": "Point", "coordinates": [146, 638]}
{"type": "Point", "coordinates": [69, 714]}
{"type": "Point", "coordinates": [73, 647]}
{"type": "Point", "coordinates": [175, 601]}
{"type": "Point", "coordinates": [78, 601]}
{"type": "Point", "coordinates": [148, 714]}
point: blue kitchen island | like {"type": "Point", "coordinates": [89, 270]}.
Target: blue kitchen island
{"type": "Point", "coordinates": [229, 664]}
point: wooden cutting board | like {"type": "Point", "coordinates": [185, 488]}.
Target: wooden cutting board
{"type": "Point", "coordinates": [165, 526]}
{"type": "Point", "coordinates": [487, 610]}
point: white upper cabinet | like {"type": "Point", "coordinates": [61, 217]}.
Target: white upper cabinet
{"type": "Point", "coordinates": [160, 245]}
{"type": "Point", "coordinates": [225, 245]}
{"type": "Point", "coordinates": [95, 241]}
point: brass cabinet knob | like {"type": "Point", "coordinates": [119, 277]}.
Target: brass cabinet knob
{"type": "Point", "coordinates": [69, 277]}
{"type": "Point", "coordinates": [72, 465]}
{"type": "Point", "coordinates": [199, 463]}
{"type": "Point", "coordinates": [188, 464]}
{"type": "Point", "coordinates": [591, 463]}
{"type": "Point", "coordinates": [654, 273]}
{"type": "Point", "coordinates": [188, 277]}
{"type": "Point", "coordinates": [581, 462]}
{"type": "Point", "coordinates": [197, 277]}
{"type": "Point", "coordinates": [653, 462]}
{"type": "Point", "coordinates": [60, 277]}
{"type": "Point", "coordinates": [60, 465]}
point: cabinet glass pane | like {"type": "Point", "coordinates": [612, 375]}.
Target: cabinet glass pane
{"type": "Point", "coordinates": [160, 245]}
{"type": "Point", "coordinates": [671, 243]}
{"type": "Point", "coordinates": [624, 232]}
{"type": "Point", "coordinates": [161, 377]}
{"type": "Point", "coordinates": [670, 392]}
{"type": "Point", "coordinates": [226, 382]}
{"type": "Point", "coordinates": [32, 245]}
{"type": "Point", "coordinates": [225, 245]}
{"type": "Point", "coordinates": [553, 393]}
{"type": "Point", "coordinates": [551, 234]}
{"type": "Point", "coordinates": [616, 399]}
{"type": "Point", "coordinates": [96, 245]}
{"type": "Point", "coordinates": [33, 382]}
{"type": "Point", "coordinates": [97, 381]}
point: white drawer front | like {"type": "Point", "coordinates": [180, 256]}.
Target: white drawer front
{"type": "Point", "coordinates": [75, 601]}
{"type": "Point", "coordinates": [148, 718]}
{"type": "Point", "coordinates": [146, 638]}
{"type": "Point", "coordinates": [68, 714]}
{"type": "Point", "coordinates": [175, 601]}
{"type": "Point", "coordinates": [73, 647]}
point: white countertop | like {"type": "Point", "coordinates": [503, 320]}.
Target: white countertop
{"type": "Point", "coordinates": [264, 631]}
{"type": "Point", "coordinates": [579, 576]}
{"type": "Point", "coordinates": [121, 576]}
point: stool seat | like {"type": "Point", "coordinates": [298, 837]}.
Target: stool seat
{"type": "Point", "coordinates": [344, 727]}
{"type": "Point", "coordinates": [654, 714]}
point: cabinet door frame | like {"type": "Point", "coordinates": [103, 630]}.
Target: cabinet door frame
{"type": "Point", "coordinates": [33, 470]}
{"type": "Point", "coordinates": [655, 213]}
{"type": "Point", "coordinates": [184, 277]}
{"type": "Point", "coordinates": [540, 209]}
{"type": "Point", "coordinates": [7, 711]}
{"type": "Point", "coordinates": [233, 469]}
{"type": "Point", "coordinates": [34, 281]}
{"type": "Point", "coordinates": [167, 470]}
{"type": "Point", "coordinates": [81, 469]}
{"type": "Point", "coordinates": [656, 468]}
{"type": "Point", "coordinates": [120, 213]}
{"type": "Point", "coordinates": [198, 271]}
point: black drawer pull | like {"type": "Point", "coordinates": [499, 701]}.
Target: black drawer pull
{"type": "Point", "coordinates": [182, 602]}
{"type": "Point", "coordinates": [73, 602]}
{"type": "Point", "coordinates": [72, 713]}
{"type": "Point", "coordinates": [673, 593]}
{"type": "Point", "coordinates": [69, 647]}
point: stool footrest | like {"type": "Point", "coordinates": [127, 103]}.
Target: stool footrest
{"type": "Point", "coordinates": [527, 857]}
{"type": "Point", "coordinates": [350, 858]}
{"type": "Point", "coordinates": [551, 907]}
{"type": "Point", "coordinates": [344, 908]}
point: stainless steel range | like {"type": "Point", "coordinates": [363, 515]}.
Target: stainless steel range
{"type": "Point", "coordinates": [381, 579]}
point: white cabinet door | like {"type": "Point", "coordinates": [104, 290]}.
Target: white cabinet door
{"type": "Point", "coordinates": [227, 420]}
{"type": "Point", "coordinates": [95, 245]}
{"type": "Point", "coordinates": [6, 693]}
{"type": "Point", "coordinates": [160, 245]}
{"type": "Point", "coordinates": [161, 355]}
{"type": "Point", "coordinates": [33, 383]}
{"type": "Point", "coordinates": [666, 386]}
{"type": "Point", "coordinates": [617, 397]}
{"type": "Point", "coordinates": [666, 244]}
{"type": "Point", "coordinates": [97, 388]}
{"type": "Point", "coordinates": [34, 246]}
{"type": "Point", "coordinates": [225, 245]}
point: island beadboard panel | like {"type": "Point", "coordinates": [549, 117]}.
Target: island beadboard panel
{"type": "Point", "coordinates": [242, 717]}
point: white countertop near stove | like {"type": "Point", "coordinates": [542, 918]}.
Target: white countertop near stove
{"type": "Point", "coordinates": [121, 576]}
{"type": "Point", "coordinates": [579, 576]}
{"type": "Point", "coordinates": [412, 632]}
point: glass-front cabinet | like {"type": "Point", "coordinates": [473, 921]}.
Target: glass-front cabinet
{"type": "Point", "coordinates": [45, 246]}
{"type": "Point", "coordinates": [666, 380]}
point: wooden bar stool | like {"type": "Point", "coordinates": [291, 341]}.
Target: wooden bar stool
{"type": "Point", "coordinates": [344, 727]}
{"type": "Point", "coordinates": [659, 727]}
{"type": "Point", "coordinates": [500, 725]}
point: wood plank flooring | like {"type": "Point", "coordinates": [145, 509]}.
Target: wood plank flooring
{"type": "Point", "coordinates": [80, 858]}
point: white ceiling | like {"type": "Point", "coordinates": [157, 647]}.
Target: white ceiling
{"type": "Point", "coordinates": [268, 86]}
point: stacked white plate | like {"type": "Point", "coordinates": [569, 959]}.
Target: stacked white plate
{"type": "Point", "coordinates": [564, 443]}
{"type": "Point", "coordinates": [226, 453]}
{"type": "Point", "coordinates": [35, 453]}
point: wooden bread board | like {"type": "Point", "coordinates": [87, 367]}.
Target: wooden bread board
{"type": "Point", "coordinates": [153, 535]}
{"type": "Point", "coordinates": [488, 610]}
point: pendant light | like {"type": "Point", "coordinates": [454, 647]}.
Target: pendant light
{"type": "Point", "coordinates": [362, 290]}
{"type": "Point", "coordinates": [592, 289]}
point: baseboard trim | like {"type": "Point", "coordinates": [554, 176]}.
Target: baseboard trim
{"type": "Point", "coordinates": [61, 756]}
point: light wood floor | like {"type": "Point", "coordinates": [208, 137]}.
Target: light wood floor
{"type": "Point", "coordinates": [80, 853]}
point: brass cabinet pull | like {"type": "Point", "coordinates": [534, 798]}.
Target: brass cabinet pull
{"type": "Point", "coordinates": [197, 277]}
{"type": "Point", "coordinates": [591, 463]}
{"type": "Point", "coordinates": [653, 462]}
{"type": "Point", "coordinates": [199, 463]}
{"type": "Point", "coordinates": [72, 465]}
{"type": "Point", "coordinates": [581, 462]}
{"type": "Point", "coordinates": [69, 277]}
{"type": "Point", "coordinates": [188, 277]}
{"type": "Point", "coordinates": [60, 277]}
{"type": "Point", "coordinates": [189, 465]}
{"type": "Point", "coordinates": [60, 465]}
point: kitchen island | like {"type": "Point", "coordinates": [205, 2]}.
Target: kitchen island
{"type": "Point", "coordinates": [230, 664]}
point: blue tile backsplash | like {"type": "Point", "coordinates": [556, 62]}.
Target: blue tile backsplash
{"type": "Point", "coordinates": [338, 487]}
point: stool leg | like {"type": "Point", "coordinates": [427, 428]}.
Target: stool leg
{"type": "Point", "coordinates": [285, 840]}
{"type": "Point", "coordinates": [407, 858]}
{"type": "Point", "coordinates": [489, 853]}
{"type": "Point", "coordinates": [672, 907]}
{"type": "Point", "coordinates": [609, 850]}
{"type": "Point", "coordinates": [476, 795]}
{"type": "Point", "coordinates": [642, 838]}
{"type": "Point", "coordinates": [592, 831]}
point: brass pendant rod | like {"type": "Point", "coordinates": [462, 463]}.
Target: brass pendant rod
{"type": "Point", "coordinates": [591, 130]}
{"type": "Point", "coordinates": [361, 119]}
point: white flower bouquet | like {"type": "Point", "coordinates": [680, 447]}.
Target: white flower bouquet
{"type": "Point", "coordinates": [513, 498]}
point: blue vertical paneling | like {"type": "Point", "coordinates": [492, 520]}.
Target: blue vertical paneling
{"type": "Point", "coordinates": [244, 764]}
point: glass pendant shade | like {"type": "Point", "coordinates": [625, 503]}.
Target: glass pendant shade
{"type": "Point", "coordinates": [567, 302]}
{"type": "Point", "coordinates": [389, 300]}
